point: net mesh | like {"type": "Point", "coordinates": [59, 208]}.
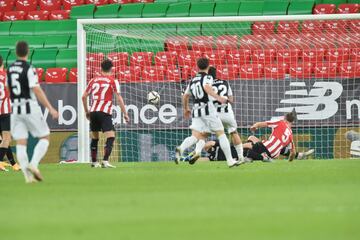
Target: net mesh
{"type": "Point", "coordinates": [272, 67]}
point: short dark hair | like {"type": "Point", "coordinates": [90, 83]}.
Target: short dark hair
{"type": "Point", "coordinates": [291, 116]}
{"type": "Point", "coordinates": [22, 49]}
{"type": "Point", "coordinates": [1, 61]}
{"type": "Point", "coordinates": [203, 63]}
{"type": "Point", "coordinates": [106, 65]}
{"type": "Point", "coordinates": [212, 72]}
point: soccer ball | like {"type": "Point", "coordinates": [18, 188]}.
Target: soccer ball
{"type": "Point", "coordinates": [153, 97]}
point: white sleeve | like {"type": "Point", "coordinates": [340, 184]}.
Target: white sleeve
{"type": "Point", "coordinates": [32, 77]}
{"type": "Point", "coordinates": [187, 90]}
{"type": "Point", "coordinates": [208, 80]}
{"type": "Point", "coordinates": [230, 93]}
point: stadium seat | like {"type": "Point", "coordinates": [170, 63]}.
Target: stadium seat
{"type": "Point", "coordinates": [180, 9]}
{"type": "Point", "coordinates": [84, 11]}
{"type": "Point", "coordinates": [202, 43]}
{"type": "Point", "coordinates": [354, 26]}
{"type": "Point", "coordinates": [141, 59]}
{"type": "Point", "coordinates": [349, 70]}
{"type": "Point", "coordinates": [55, 27]}
{"type": "Point", "coordinates": [155, 10]}
{"type": "Point", "coordinates": [59, 15]}
{"type": "Point", "coordinates": [58, 41]}
{"type": "Point", "coordinates": [355, 55]}
{"type": "Point", "coordinates": [4, 54]}
{"type": "Point", "coordinates": [120, 1]}
{"type": "Point", "coordinates": [5, 28]}
{"type": "Point", "coordinates": [14, 16]}
{"type": "Point", "coordinates": [226, 42]}
{"type": "Point", "coordinates": [37, 15]}
{"type": "Point", "coordinates": [129, 74]}
{"type": "Point", "coordinates": [275, 7]}
{"type": "Point", "coordinates": [275, 71]}
{"type": "Point", "coordinates": [325, 70]}
{"type": "Point", "coordinates": [216, 57]}
{"type": "Point", "coordinates": [202, 9]}
{"type": "Point", "coordinates": [251, 71]}
{"type": "Point", "coordinates": [1, 16]}
{"type": "Point", "coordinates": [107, 11]}
{"type": "Point", "coordinates": [348, 8]}
{"type": "Point", "coordinates": [73, 75]}
{"type": "Point", "coordinates": [337, 55]}
{"type": "Point", "coordinates": [309, 26]}
{"type": "Point", "coordinates": [211, 29]}
{"type": "Point", "coordinates": [287, 56]}
{"type": "Point", "coordinates": [119, 59]}
{"type": "Point", "coordinates": [55, 75]}
{"type": "Point", "coordinates": [312, 55]}
{"type": "Point", "coordinates": [300, 7]}
{"type": "Point", "coordinates": [347, 41]}
{"type": "Point", "coordinates": [131, 10]}
{"type": "Point", "coordinates": [45, 58]}
{"type": "Point", "coordinates": [238, 57]}
{"type": "Point", "coordinates": [35, 42]}
{"type": "Point", "coordinates": [96, 2]}
{"type": "Point", "coordinates": [250, 8]}
{"type": "Point", "coordinates": [288, 27]}
{"type": "Point", "coordinates": [26, 5]}
{"type": "Point", "coordinates": [66, 58]}
{"type": "Point", "coordinates": [8, 42]}
{"type": "Point", "coordinates": [323, 41]}
{"type": "Point", "coordinates": [40, 73]}
{"type": "Point", "coordinates": [188, 72]}
{"type": "Point", "coordinates": [250, 42]}
{"type": "Point", "coordinates": [93, 60]}
{"type": "Point", "coordinates": [324, 9]}
{"type": "Point", "coordinates": [6, 6]}
{"type": "Point", "coordinates": [226, 8]}
{"type": "Point", "coordinates": [177, 43]}
{"type": "Point", "coordinates": [263, 56]}
{"type": "Point", "coordinates": [142, 1]}
{"type": "Point", "coordinates": [227, 72]}
{"type": "Point", "coordinates": [50, 5]}
{"type": "Point", "coordinates": [22, 28]}
{"type": "Point", "coordinates": [153, 74]}
{"type": "Point", "coordinates": [68, 4]}
{"type": "Point", "coordinates": [263, 28]}
{"type": "Point", "coordinates": [165, 58]}
{"type": "Point", "coordinates": [336, 27]}
{"type": "Point", "coordinates": [173, 74]}
{"type": "Point", "coordinates": [189, 29]}
{"type": "Point", "coordinates": [301, 70]}
{"type": "Point", "coordinates": [188, 58]}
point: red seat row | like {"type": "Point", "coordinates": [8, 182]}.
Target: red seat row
{"type": "Point", "coordinates": [331, 8]}
{"type": "Point", "coordinates": [57, 75]}
{"type": "Point", "coordinates": [36, 15]}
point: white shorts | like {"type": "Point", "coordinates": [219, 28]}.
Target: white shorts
{"type": "Point", "coordinates": [229, 122]}
{"type": "Point", "coordinates": [207, 124]}
{"type": "Point", "coordinates": [22, 124]}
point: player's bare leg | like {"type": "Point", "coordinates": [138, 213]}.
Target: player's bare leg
{"type": "Point", "coordinates": [94, 149]}
{"type": "Point", "coordinates": [195, 155]}
{"type": "Point", "coordinates": [188, 142]}
{"type": "Point", "coordinates": [110, 138]}
{"type": "Point", "coordinates": [238, 145]}
{"type": "Point", "coordinates": [4, 145]}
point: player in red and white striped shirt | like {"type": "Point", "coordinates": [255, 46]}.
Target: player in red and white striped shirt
{"type": "Point", "coordinates": [102, 89]}
{"type": "Point", "coordinates": [5, 110]}
{"type": "Point", "coordinates": [281, 137]}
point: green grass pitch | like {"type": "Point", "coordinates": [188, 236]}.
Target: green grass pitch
{"type": "Point", "coordinates": [145, 201]}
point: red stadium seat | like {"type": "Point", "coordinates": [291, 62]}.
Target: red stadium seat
{"type": "Point", "coordinates": [177, 43]}
{"type": "Point", "coordinates": [227, 72]}
{"type": "Point", "coordinates": [238, 57]}
{"type": "Point", "coordinates": [202, 43]}
{"type": "Point", "coordinates": [188, 72]}
{"type": "Point", "coordinates": [312, 55]}
{"type": "Point", "coordinates": [6, 6]}
{"type": "Point", "coordinates": [165, 59]}
{"type": "Point", "coordinates": [311, 26]}
{"type": "Point", "coordinates": [55, 75]}
{"type": "Point", "coordinates": [264, 56]}
{"type": "Point", "coordinates": [216, 57]}
{"type": "Point", "coordinates": [50, 5]}
{"type": "Point", "coordinates": [355, 55]}
{"type": "Point", "coordinates": [227, 42]}
{"type": "Point", "coordinates": [298, 41]}
{"type": "Point", "coordinates": [141, 59]}
{"type": "Point", "coordinates": [67, 4]}
{"type": "Point", "coordinates": [153, 74]}
{"type": "Point", "coordinates": [73, 75]}
{"type": "Point", "coordinates": [354, 26]}
{"type": "Point", "coordinates": [275, 41]}
{"type": "Point", "coordinates": [97, 2]}
{"type": "Point", "coordinates": [324, 9]}
{"type": "Point", "coordinates": [349, 70]}
{"type": "Point", "coordinates": [14, 16]}
{"type": "Point", "coordinates": [26, 5]}
{"type": "Point", "coordinates": [119, 59]}
{"type": "Point", "coordinates": [40, 73]}
{"type": "Point", "coordinates": [93, 61]}
{"type": "Point", "coordinates": [173, 74]}
{"type": "Point", "coordinates": [250, 42]}
{"type": "Point", "coordinates": [288, 56]}
{"type": "Point", "coordinates": [323, 41]}
{"type": "Point", "coordinates": [301, 70]}
{"type": "Point", "coordinates": [120, 1]}
{"type": "Point", "coordinates": [188, 58]}
{"type": "Point", "coordinates": [337, 55]}
{"type": "Point", "coordinates": [263, 28]}
{"type": "Point", "coordinates": [347, 41]}
{"type": "Point", "coordinates": [99, 74]}
{"type": "Point", "coordinates": [325, 70]}
{"type": "Point", "coordinates": [288, 27]}
{"type": "Point", "coordinates": [251, 71]}
{"type": "Point", "coordinates": [336, 27]}
{"type": "Point", "coordinates": [129, 74]}
{"type": "Point", "coordinates": [275, 71]}
{"type": "Point", "coordinates": [142, 1]}
{"type": "Point", "coordinates": [1, 16]}
{"type": "Point", "coordinates": [348, 8]}
{"type": "Point", "coordinates": [59, 14]}
{"type": "Point", "coordinates": [38, 15]}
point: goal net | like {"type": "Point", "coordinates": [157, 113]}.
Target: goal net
{"type": "Point", "coordinates": [273, 64]}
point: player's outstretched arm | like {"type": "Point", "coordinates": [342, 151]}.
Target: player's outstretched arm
{"type": "Point", "coordinates": [40, 95]}
{"type": "Point", "coordinates": [292, 152]}
{"type": "Point", "coordinates": [257, 125]}
{"type": "Point", "coordinates": [209, 90]}
{"type": "Point", "coordinates": [120, 101]}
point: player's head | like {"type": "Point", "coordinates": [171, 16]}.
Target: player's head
{"type": "Point", "coordinates": [22, 49]}
{"type": "Point", "coordinates": [1, 62]}
{"type": "Point", "coordinates": [212, 72]}
{"type": "Point", "coordinates": [203, 64]}
{"type": "Point", "coordinates": [291, 116]}
{"type": "Point", "coordinates": [106, 66]}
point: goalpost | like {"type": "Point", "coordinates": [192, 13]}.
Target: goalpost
{"type": "Point", "coordinates": [273, 64]}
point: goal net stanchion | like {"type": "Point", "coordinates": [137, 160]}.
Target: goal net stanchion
{"type": "Point", "coordinates": [273, 64]}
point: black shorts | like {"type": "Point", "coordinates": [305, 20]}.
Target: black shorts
{"type": "Point", "coordinates": [260, 148]}
{"type": "Point", "coordinates": [100, 121]}
{"type": "Point", "coordinates": [5, 122]}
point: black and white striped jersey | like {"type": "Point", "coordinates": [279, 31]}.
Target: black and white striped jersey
{"type": "Point", "coordinates": [222, 88]}
{"type": "Point", "coordinates": [203, 104]}
{"type": "Point", "coordinates": [22, 77]}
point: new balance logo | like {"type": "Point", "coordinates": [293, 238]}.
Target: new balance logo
{"type": "Point", "coordinates": [317, 104]}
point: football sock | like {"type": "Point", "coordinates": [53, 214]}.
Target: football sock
{"type": "Point", "coordinates": [39, 152]}
{"type": "Point", "coordinates": [10, 156]}
{"type": "Point", "coordinates": [239, 150]}
{"type": "Point", "coordinates": [108, 148]}
{"type": "Point", "coordinates": [225, 146]}
{"type": "Point", "coordinates": [23, 159]}
{"type": "Point", "coordinates": [2, 153]}
{"type": "Point", "coordinates": [94, 149]}
{"type": "Point", "coordinates": [199, 146]}
{"type": "Point", "coordinates": [188, 142]}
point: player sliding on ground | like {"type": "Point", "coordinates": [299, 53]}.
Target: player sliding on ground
{"type": "Point", "coordinates": [102, 89]}
{"type": "Point", "coordinates": [204, 114]}
{"type": "Point", "coordinates": [26, 114]}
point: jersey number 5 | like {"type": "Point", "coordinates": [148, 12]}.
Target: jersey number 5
{"type": "Point", "coordinates": [15, 84]}
{"type": "Point", "coordinates": [286, 135]}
